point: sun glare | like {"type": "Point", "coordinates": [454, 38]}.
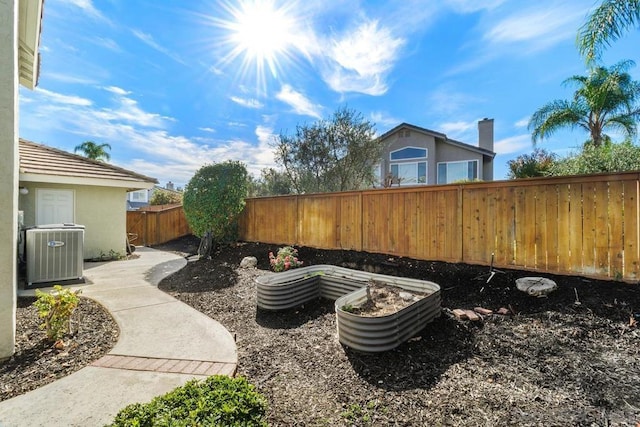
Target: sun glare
{"type": "Point", "coordinates": [262, 34]}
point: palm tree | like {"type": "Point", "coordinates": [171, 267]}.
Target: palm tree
{"type": "Point", "coordinates": [607, 23]}
{"type": "Point", "coordinates": [605, 99]}
{"type": "Point", "coordinates": [94, 151]}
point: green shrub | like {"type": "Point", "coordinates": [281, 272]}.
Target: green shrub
{"type": "Point", "coordinates": [215, 401]}
{"type": "Point", "coordinates": [214, 198]}
{"type": "Point", "coordinates": [56, 309]}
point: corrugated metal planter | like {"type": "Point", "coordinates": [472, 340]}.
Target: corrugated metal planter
{"type": "Point", "coordinates": [348, 287]}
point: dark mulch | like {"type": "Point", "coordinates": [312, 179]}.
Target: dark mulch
{"type": "Point", "coordinates": [36, 362]}
{"type": "Point", "coordinates": [554, 363]}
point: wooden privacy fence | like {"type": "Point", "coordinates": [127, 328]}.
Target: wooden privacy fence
{"type": "Point", "coordinates": [582, 225]}
{"type": "Point", "coordinates": [154, 225]}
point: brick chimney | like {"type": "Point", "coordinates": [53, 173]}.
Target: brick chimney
{"type": "Point", "coordinates": [485, 134]}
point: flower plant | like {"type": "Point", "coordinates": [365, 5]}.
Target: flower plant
{"type": "Point", "coordinates": [286, 259]}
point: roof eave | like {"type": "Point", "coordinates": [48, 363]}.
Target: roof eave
{"type": "Point", "coordinates": [29, 27]}
{"type": "Point", "coordinates": [99, 182]}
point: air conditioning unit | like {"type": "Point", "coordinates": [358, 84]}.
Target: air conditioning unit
{"type": "Point", "coordinates": [54, 253]}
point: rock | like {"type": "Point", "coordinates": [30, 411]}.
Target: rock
{"type": "Point", "coordinates": [460, 314]}
{"type": "Point", "coordinates": [471, 315]}
{"type": "Point", "coordinates": [536, 286]}
{"type": "Point", "coordinates": [483, 311]}
{"type": "Point", "coordinates": [249, 262]}
{"type": "Point", "coordinates": [406, 296]}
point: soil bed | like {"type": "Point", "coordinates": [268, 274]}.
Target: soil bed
{"type": "Point", "coordinates": [384, 299]}
{"type": "Point", "coordinates": [36, 362]}
{"type": "Point", "coordinates": [553, 362]}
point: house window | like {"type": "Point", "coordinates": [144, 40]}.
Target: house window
{"type": "Point", "coordinates": [139, 196]}
{"type": "Point", "coordinates": [449, 172]}
{"type": "Point", "coordinates": [409, 153]}
{"type": "Point", "coordinates": [409, 165]}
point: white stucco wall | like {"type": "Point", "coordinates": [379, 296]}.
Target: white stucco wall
{"type": "Point", "coordinates": [8, 172]}
{"type": "Point", "coordinates": [102, 210]}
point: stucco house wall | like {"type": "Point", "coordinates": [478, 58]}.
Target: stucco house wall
{"type": "Point", "coordinates": [20, 22]}
{"type": "Point", "coordinates": [8, 173]}
{"type": "Point", "coordinates": [99, 209]}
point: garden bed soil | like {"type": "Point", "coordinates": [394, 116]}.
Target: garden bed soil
{"type": "Point", "coordinates": [37, 362]}
{"type": "Point", "coordinates": [384, 299]}
{"type": "Point", "coordinates": [567, 359]}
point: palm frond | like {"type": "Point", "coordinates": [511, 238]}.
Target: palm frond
{"type": "Point", "coordinates": [607, 23]}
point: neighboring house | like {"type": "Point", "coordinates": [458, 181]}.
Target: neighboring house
{"type": "Point", "coordinates": [419, 156]}
{"type": "Point", "coordinates": [62, 187]}
{"type": "Point", "coordinates": [141, 198]}
{"type": "Point", "coordinates": [20, 22]}
{"type": "Point", "coordinates": [138, 199]}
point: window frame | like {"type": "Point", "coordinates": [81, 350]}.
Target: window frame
{"type": "Point", "coordinates": [477, 170]}
{"type": "Point", "coordinates": [426, 152]}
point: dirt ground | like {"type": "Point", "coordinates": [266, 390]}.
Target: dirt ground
{"type": "Point", "coordinates": [36, 362]}
{"type": "Point", "coordinates": [570, 359]}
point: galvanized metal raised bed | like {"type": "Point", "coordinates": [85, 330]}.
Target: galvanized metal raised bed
{"type": "Point", "coordinates": [348, 287]}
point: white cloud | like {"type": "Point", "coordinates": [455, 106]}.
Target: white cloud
{"type": "Point", "coordinates": [207, 129]}
{"type": "Point", "coordinates": [68, 78]}
{"type": "Point", "coordinates": [470, 6]}
{"type": "Point", "coordinates": [63, 99]}
{"type": "Point", "coordinates": [446, 101]}
{"type": "Point", "coordinates": [361, 60]}
{"type": "Point", "coordinates": [512, 144]}
{"type": "Point", "coordinates": [522, 123]}
{"type": "Point", "coordinates": [151, 148]}
{"type": "Point", "coordinates": [245, 102]}
{"type": "Point", "coordinates": [537, 28]}
{"type": "Point", "coordinates": [452, 129]}
{"type": "Point", "coordinates": [382, 119]}
{"type": "Point", "coordinates": [107, 43]}
{"type": "Point", "coordinates": [301, 104]}
{"type": "Point", "coordinates": [89, 9]}
{"type": "Point", "coordinates": [116, 90]}
{"type": "Point", "coordinates": [129, 112]}
{"type": "Point", "coordinates": [149, 41]}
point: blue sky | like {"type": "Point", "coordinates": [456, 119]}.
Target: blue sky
{"type": "Point", "coordinates": [174, 85]}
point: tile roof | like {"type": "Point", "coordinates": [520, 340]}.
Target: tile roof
{"type": "Point", "coordinates": [39, 159]}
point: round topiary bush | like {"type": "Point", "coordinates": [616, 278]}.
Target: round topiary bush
{"type": "Point", "coordinates": [215, 401]}
{"type": "Point", "coordinates": [212, 201]}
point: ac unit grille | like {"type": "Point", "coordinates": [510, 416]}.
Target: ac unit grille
{"type": "Point", "coordinates": [54, 254]}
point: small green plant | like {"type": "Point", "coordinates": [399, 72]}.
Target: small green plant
{"type": "Point", "coordinates": [286, 259]}
{"type": "Point", "coordinates": [356, 414]}
{"type": "Point", "coordinates": [215, 401]}
{"type": "Point", "coordinates": [56, 309]}
{"type": "Point", "coordinates": [348, 308]}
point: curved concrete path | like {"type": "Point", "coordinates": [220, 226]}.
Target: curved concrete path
{"type": "Point", "coordinates": [162, 344]}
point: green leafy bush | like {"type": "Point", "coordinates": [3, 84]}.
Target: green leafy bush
{"type": "Point", "coordinates": [165, 197]}
{"type": "Point", "coordinates": [286, 259]}
{"type": "Point", "coordinates": [56, 309]}
{"type": "Point", "coordinates": [215, 401]}
{"type": "Point", "coordinates": [214, 198]}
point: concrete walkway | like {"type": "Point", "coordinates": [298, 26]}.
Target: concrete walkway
{"type": "Point", "coordinates": [163, 343]}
